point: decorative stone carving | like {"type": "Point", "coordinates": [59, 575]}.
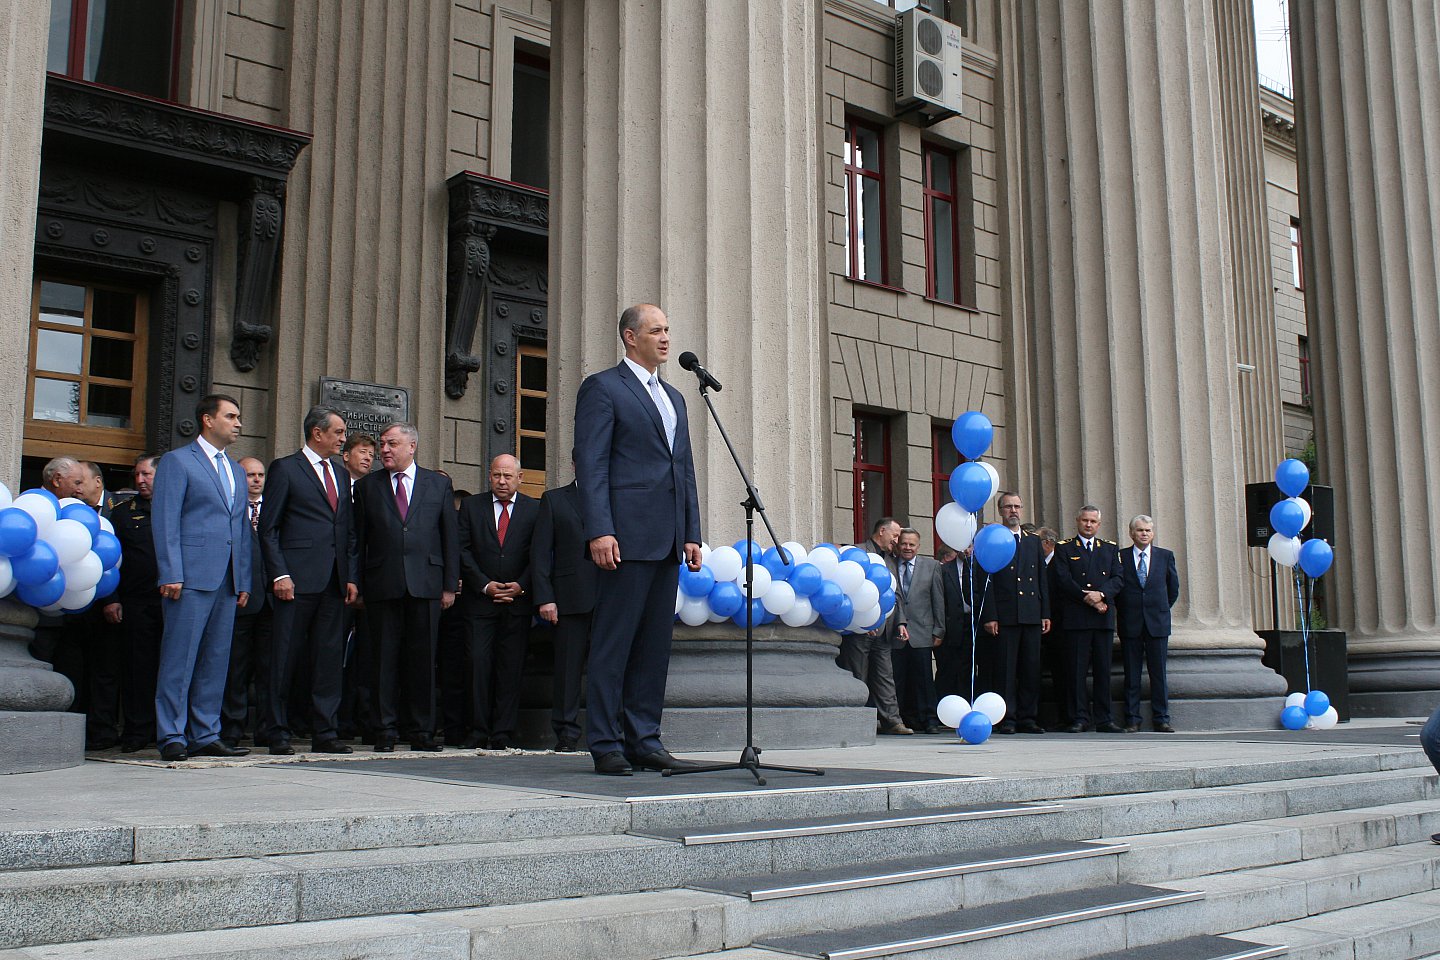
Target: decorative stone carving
{"type": "Point", "coordinates": [466, 279]}
{"type": "Point", "coordinates": [261, 216]}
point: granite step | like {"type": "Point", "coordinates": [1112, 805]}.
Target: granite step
{"type": "Point", "coordinates": [780, 829]}
{"type": "Point", "coordinates": [1198, 948]}
{"type": "Point", "coordinates": [1402, 928]}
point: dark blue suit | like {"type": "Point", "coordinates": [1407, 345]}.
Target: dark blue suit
{"type": "Point", "coordinates": [565, 576]}
{"type": "Point", "coordinates": [1143, 618]}
{"type": "Point", "coordinates": [635, 487]}
{"type": "Point", "coordinates": [202, 541]}
{"type": "Point", "coordinates": [1089, 633]}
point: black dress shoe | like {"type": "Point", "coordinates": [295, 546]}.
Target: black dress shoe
{"type": "Point", "coordinates": [218, 748]}
{"type": "Point", "coordinates": [330, 746]}
{"type": "Point", "coordinates": [1109, 726]}
{"type": "Point", "coordinates": [934, 728]}
{"type": "Point", "coordinates": [612, 764]}
{"type": "Point", "coordinates": [1007, 727]}
{"type": "Point", "coordinates": [1162, 727]}
{"type": "Point", "coordinates": [384, 744]}
{"type": "Point", "coordinates": [281, 748]}
{"type": "Point", "coordinates": [1029, 726]}
{"type": "Point", "coordinates": [101, 743]}
{"type": "Point", "coordinates": [1132, 728]}
{"type": "Point", "coordinates": [565, 746]}
{"type": "Point", "coordinates": [662, 760]}
{"type": "Point", "coordinates": [132, 746]}
{"type": "Point", "coordinates": [425, 744]}
{"type": "Point", "coordinates": [502, 743]}
{"type": "Point", "coordinates": [1076, 727]}
{"type": "Point", "coordinates": [174, 752]}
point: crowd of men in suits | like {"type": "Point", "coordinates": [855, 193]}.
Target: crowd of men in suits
{"type": "Point", "coordinates": [956, 630]}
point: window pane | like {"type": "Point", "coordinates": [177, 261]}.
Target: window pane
{"type": "Point", "coordinates": [57, 57]}
{"type": "Point", "coordinates": [532, 414]}
{"type": "Point", "coordinates": [56, 400]}
{"type": "Point", "coordinates": [530, 126]}
{"type": "Point", "coordinates": [532, 372]}
{"type": "Point", "coordinates": [942, 223]}
{"type": "Point", "coordinates": [870, 440]}
{"type": "Point", "coordinates": [129, 45]}
{"type": "Point", "coordinates": [939, 170]}
{"type": "Point", "coordinates": [59, 352]}
{"type": "Point", "coordinates": [62, 303]}
{"type": "Point", "coordinates": [947, 455]}
{"type": "Point", "coordinates": [864, 151]}
{"type": "Point", "coordinates": [109, 407]}
{"type": "Point", "coordinates": [872, 499]}
{"type": "Point", "coordinates": [113, 310]}
{"type": "Point", "coordinates": [869, 232]}
{"type": "Point", "coordinates": [532, 453]}
{"type": "Point", "coordinates": [113, 359]}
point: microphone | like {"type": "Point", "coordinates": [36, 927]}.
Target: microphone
{"type": "Point", "coordinates": [688, 361]}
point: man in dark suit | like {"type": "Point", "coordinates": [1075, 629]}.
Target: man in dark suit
{"type": "Point", "coordinates": [564, 582]}
{"type": "Point", "coordinates": [923, 594]}
{"type": "Point", "coordinates": [1087, 572]}
{"type": "Point", "coordinates": [1150, 587]}
{"type": "Point", "coordinates": [355, 710]}
{"type": "Point", "coordinates": [1052, 645]}
{"type": "Point", "coordinates": [250, 642]}
{"type": "Point", "coordinates": [202, 552]}
{"type": "Point", "coordinates": [309, 546]}
{"type": "Point", "coordinates": [408, 544]}
{"type": "Point", "coordinates": [642, 514]}
{"type": "Point", "coordinates": [496, 530]}
{"type": "Point", "coordinates": [1015, 614]}
{"type": "Point", "coordinates": [965, 583]}
{"type": "Point", "coordinates": [134, 608]}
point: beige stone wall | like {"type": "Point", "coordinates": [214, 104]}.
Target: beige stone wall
{"type": "Point", "coordinates": [894, 351]}
{"type": "Point", "coordinates": [1282, 192]}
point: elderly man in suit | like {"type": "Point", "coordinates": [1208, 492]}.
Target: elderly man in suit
{"type": "Point", "coordinates": [641, 508]}
{"type": "Point", "coordinates": [309, 547]}
{"type": "Point", "coordinates": [564, 579]}
{"type": "Point", "coordinates": [1150, 585]}
{"type": "Point", "coordinates": [868, 655]}
{"type": "Point", "coordinates": [202, 552]}
{"type": "Point", "coordinates": [1015, 614]}
{"type": "Point", "coordinates": [408, 547]}
{"type": "Point", "coordinates": [496, 529]}
{"type": "Point", "coordinates": [1087, 571]}
{"type": "Point", "coordinates": [923, 593]}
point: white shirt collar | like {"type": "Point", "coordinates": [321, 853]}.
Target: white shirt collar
{"type": "Point", "coordinates": [207, 447]}
{"type": "Point", "coordinates": [311, 455]}
{"type": "Point", "coordinates": [409, 473]}
{"type": "Point", "coordinates": [640, 371]}
{"type": "Point", "coordinates": [1140, 550]}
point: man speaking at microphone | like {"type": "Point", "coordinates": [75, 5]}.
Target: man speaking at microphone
{"type": "Point", "coordinates": [641, 510]}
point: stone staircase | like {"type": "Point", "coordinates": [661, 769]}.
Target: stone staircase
{"type": "Point", "coordinates": [1311, 858]}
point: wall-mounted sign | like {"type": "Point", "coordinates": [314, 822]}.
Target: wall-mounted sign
{"type": "Point", "coordinates": [367, 407]}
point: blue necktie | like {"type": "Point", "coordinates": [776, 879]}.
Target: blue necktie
{"type": "Point", "coordinates": [1144, 570]}
{"type": "Point", "coordinates": [225, 479]}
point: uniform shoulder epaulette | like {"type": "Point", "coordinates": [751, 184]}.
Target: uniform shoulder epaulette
{"type": "Point", "coordinates": [1111, 542]}
{"type": "Point", "coordinates": [1065, 541]}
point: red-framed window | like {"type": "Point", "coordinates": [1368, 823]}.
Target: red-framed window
{"type": "Point", "coordinates": [128, 44]}
{"type": "Point", "coordinates": [865, 253]}
{"type": "Point", "coordinates": [1303, 356]}
{"type": "Point", "coordinates": [944, 458]}
{"type": "Point", "coordinates": [942, 226]}
{"type": "Point", "coordinates": [872, 471]}
{"type": "Point", "coordinates": [1297, 257]}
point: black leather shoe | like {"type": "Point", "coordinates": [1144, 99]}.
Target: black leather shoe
{"type": "Point", "coordinates": [384, 744]}
{"type": "Point", "coordinates": [132, 746]}
{"type": "Point", "coordinates": [1076, 727]}
{"type": "Point", "coordinates": [1005, 727]}
{"type": "Point", "coordinates": [1029, 726]}
{"type": "Point", "coordinates": [1132, 728]}
{"type": "Point", "coordinates": [218, 748]}
{"type": "Point", "coordinates": [425, 744]}
{"type": "Point", "coordinates": [101, 743]}
{"type": "Point", "coordinates": [565, 746]}
{"type": "Point", "coordinates": [1162, 727]}
{"type": "Point", "coordinates": [173, 752]}
{"type": "Point", "coordinates": [1435, 838]}
{"type": "Point", "coordinates": [281, 748]}
{"type": "Point", "coordinates": [500, 743]}
{"type": "Point", "coordinates": [934, 728]}
{"type": "Point", "coordinates": [330, 746]}
{"type": "Point", "coordinates": [613, 764]}
{"type": "Point", "coordinates": [1109, 726]}
{"type": "Point", "coordinates": [662, 760]}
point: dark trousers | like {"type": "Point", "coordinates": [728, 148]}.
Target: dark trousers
{"type": "Point", "coordinates": [452, 671]}
{"type": "Point", "coordinates": [571, 637]}
{"type": "Point", "coordinates": [497, 663]}
{"type": "Point", "coordinates": [915, 685]}
{"type": "Point", "coordinates": [1152, 651]}
{"type": "Point", "coordinates": [250, 655]}
{"type": "Point", "coordinates": [142, 624]}
{"type": "Point", "coordinates": [870, 660]}
{"type": "Point", "coordinates": [403, 637]}
{"type": "Point", "coordinates": [307, 630]}
{"type": "Point", "coordinates": [955, 665]}
{"type": "Point", "coordinates": [1090, 652]}
{"type": "Point", "coordinates": [1055, 652]}
{"type": "Point", "coordinates": [1015, 669]}
{"type": "Point", "coordinates": [629, 658]}
{"type": "Point", "coordinates": [355, 702]}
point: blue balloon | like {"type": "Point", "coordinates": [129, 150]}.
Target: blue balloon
{"type": "Point", "coordinates": [766, 617]}
{"type": "Point", "coordinates": [757, 614]}
{"type": "Point", "coordinates": [36, 566]}
{"type": "Point", "coordinates": [1316, 557]}
{"type": "Point", "coordinates": [970, 486]}
{"type": "Point", "coordinates": [1286, 518]}
{"type": "Point", "coordinates": [54, 500]}
{"type": "Point", "coordinates": [693, 583]}
{"type": "Point", "coordinates": [827, 598]}
{"type": "Point", "coordinates": [1316, 702]}
{"type": "Point", "coordinates": [972, 433]}
{"type": "Point", "coordinates": [17, 532]}
{"type": "Point", "coordinates": [109, 582]}
{"type": "Point", "coordinates": [805, 579]}
{"type": "Point", "coordinates": [44, 593]}
{"type": "Point", "coordinates": [887, 601]}
{"type": "Point", "coordinates": [974, 727]}
{"type": "Point", "coordinates": [86, 515]}
{"type": "Point", "coordinates": [857, 554]}
{"type": "Point", "coordinates": [840, 617]}
{"type": "Point", "coordinates": [1294, 718]}
{"type": "Point", "coordinates": [742, 544]}
{"type": "Point", "coordinates": [107, 548]}
{"type": "Point", "coordinates": [726, 599]}
{"type": "Point", "coordinates": [775, 566]}
{"type": "Point", "coordinates": [994, 547]}
{"type": "Point", "coordinates": [878, 574]}
{"type": "Point", "coordinates": [1292, 477]}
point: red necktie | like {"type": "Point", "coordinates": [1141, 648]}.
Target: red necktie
{"type": "Point", "coordinates": [504, 522]}
{"type": "Point", "coordinates": [254, 514]}
{"type": "Point", "coordinates": [331, 493]}
{"type": "Point", "coordinates": [402, 502]}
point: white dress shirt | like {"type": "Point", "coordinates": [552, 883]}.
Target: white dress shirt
{"type": "Point", "coordinates": [210, 451]}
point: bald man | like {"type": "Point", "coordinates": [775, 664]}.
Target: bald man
{"type": "Point", "coordinates": [495, 533]}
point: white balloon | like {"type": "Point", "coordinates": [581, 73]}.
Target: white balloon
{"type": "Point", "coordinates": [865, 619]}
{"type": "Point", "coordinates": [695, 611]}
{"type": "Point", "coordinates": [760, 581]}
{"type": "Point", "coordinates": [800, 613]}
{"type": "Point", "coordinates": [7, 577]}
{"type": "Point", "coordinates": [798, 554]}
{"type": "Point", "coordinates": [83, 573]}
{"type": "Point", "coordinates": [40, 508]}
{"type": "Point", "coordinates": [779, 598]}
{"type": "Point", "coordinates": [952, 709]}
{"type": "Point", "coordinates": [705, 552]}
{"type": "Point", "coordinates": [725, 563]}
{"type": "Point", "coordinates": [106, 525]}
{"type": "Point", "coordinates": [825, 561]}
{"type": "Point", "coordinates": [680, 597]}
{"type": "Point", "coordinates": [994, 478]}
{"type": "Point", "coordinates": [849, 575]}
{"type": "Point", "coordinates": [66, 501]}
{"type": "Point", "coordinates": [1305, 509]}
{"type": "Point", "coordinates": [956, 526]}
{"type": "Point", "coordinates": [1327, 719]}
{"type": "Point", "coordinates": [1296, 699]}
{"type": "Point", "coordinates": [75, 599]}
{"type": "Point", "coordinates": [716, 618]}
{"type": "Point", "coordinates": [876, 558]}
{"type": "Point", "coordinates": [1284, 550]}
{"type": "Point", "coordinates": [992, 705]}
{"type": "Point", "coordinates": [70, 539]}
{"type": "Point", "coordinates": [5, 496]}
{"type": "Point", "coordinates": [865, 596]}
{"type": "Point", "coordinates": [54, 607]}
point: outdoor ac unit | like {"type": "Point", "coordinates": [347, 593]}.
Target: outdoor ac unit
{"type": "Point", "coordinates": [928, 52]}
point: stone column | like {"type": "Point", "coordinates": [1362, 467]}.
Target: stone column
{"type": "Point", "coordinates": [1132, 289]}
{"type": "Point", "coordinates": [1368, 115]}
{"type": "Point", "coordinates": [686, 173]}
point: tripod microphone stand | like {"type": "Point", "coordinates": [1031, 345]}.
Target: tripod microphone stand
{"type": "Point", "coordinates": [750, 756]}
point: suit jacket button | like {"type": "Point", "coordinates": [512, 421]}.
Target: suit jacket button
{"type": "Point", "coordinates": [229, 542]}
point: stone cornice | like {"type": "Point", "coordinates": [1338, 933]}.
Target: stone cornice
{"type": "Point", "coordinates": [477, 198]}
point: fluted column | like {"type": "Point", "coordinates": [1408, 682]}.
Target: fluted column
{"type": "Point", "coordinates": [1368, 116]}
{"type": "Point", "coordinates": [685, 173]}
{"type": "Point", "coordinates": [1133, 296]}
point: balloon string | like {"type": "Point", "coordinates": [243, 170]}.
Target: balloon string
{"type": "Point", "coordinates": [1302, 601]}
{"type": "Point", "coordinates": [974, 628]}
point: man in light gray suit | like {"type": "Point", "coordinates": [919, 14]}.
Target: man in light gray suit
{"type": "Point", "coordinates": [922, 592]}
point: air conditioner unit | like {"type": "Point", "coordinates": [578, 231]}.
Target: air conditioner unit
{"type": "Point", "coordinates": [928, 54]}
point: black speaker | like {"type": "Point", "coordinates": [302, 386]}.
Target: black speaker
{"type": "Point", "coordinates": [1260, 497]}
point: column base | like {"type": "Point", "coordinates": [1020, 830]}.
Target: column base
{"type": "Point", "coordinates": [1393, 683]}
{"type": "Point", "coordinates": [35, 740]}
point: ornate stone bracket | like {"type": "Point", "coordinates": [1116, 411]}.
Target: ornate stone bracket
{"type": "Point", "coordinates": [261, 217]}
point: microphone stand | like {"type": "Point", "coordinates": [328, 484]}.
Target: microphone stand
{"type": "Point", "coordinates": [750, 755]}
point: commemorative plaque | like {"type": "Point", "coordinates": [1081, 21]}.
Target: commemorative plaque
{"type": "Point", "coordinates": [367, 407]}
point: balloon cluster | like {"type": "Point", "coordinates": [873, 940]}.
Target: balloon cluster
{"type": "Point", "coordinates": [972, 724]}
{"type": "Point", "coordinates": [1308, 710]}
{"type": "Point", "coordinates": [972, 485]}
{"type": "Point", "coordinates": [846, 588]}
{"type": "Point", "coordinates": [57, 555]}
{"type": "Point", "coordinates": [1292, 515]}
